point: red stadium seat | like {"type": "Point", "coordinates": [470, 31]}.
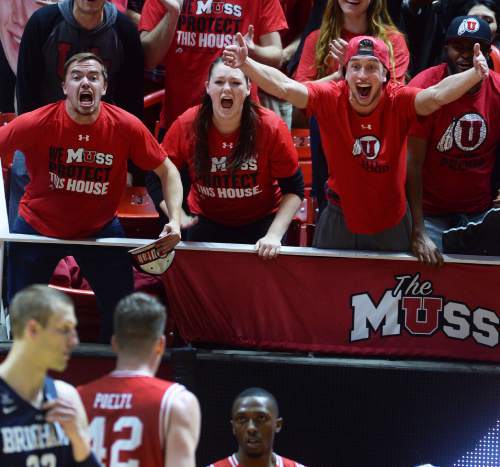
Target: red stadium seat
{"type": "Point", "coordinates": [306, 167]}
{"type": "Point", "coordinates": [137, 213]}
{"type": "Point", "coordinates": [302, 142]}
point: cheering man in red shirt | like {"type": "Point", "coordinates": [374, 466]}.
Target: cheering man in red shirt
{"type": "Point", "coordinates": [364, 122]}
{"type": "Point", "coordinates": [76, 154]}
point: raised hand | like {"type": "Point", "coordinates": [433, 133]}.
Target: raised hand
{"type": "Point", "coordinates": [235, 55]}
{"type": "Point", "coordinates": [479, 62]}
{"type": "Point", "coordinates": [336, 53]}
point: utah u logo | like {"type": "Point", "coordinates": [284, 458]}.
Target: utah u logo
{"type": "Point", "coordinates": [468, 25]}
{"type": "Point", "coordinates": [369, 146]}
{"type": "Point", "coordinates": [468, 133]}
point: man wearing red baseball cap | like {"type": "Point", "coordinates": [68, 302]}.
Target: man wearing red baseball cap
{"type": "Point", "coordinates": [364, 122]}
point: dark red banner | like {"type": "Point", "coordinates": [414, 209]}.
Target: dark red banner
{"type": "Point", "coordinates": [369, 307]}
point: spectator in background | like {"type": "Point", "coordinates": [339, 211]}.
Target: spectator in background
{"type": "Point", "coordinates": [164, 417]}
{"type": "Point", "coordinates": [487, 10]}
{"type": "Point", "coordinates": [55, 33]}
{"type": "Point", "coordinates": [364, 122]}
{"type": "Point", "coordinates": [235, 152]}
{"type": "Point", "coordinates": [322, 58]}
{"type": "Point", "coordinates": [14, 15]}
{"type": "Point", "coordinates": [425, 23]}
{"type": "Point", "coordinates": [187, 36]}
{"type": "Point", "coordinates": [255, 421]}
{"type": "Point", "coordinates": [451, 156]}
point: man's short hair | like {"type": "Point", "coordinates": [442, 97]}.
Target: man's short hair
{"type": "Point", "coordinates": [36, 302]}
{"type": "Point", "coordinates": [139, 321]}
{"type": "Point", "coordinates": [256, 392]}
{"type": "Point", "coordinates": [84, 57]}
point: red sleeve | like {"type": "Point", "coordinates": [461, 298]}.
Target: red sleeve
{"type": "Point", "coordinates": [269, 18]}
{"type": "Point", "coordinates": [174, 144]}
{"type": "Point", "coordinates": [323, 97]}
{"type": "Point", "coordinates": [421, 128]}
{"type": "Point", "coordinates": [405, 101]}
{"type": "Point", "coordinates": [17, 134]}
{"type": "Point", "coordinates": [306, 70]}
{"type": "Point", "coordinates": [283, 157]}
{"type": "Point", "coordinates": [145, 151]}
{"type": "Point", "coordinates": [152, 12]}
{"type": "Point", "coordinates": [401, 56]}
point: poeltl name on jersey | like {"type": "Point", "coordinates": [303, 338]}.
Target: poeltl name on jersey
{"type": "Point", "coordinates": [411, 307]}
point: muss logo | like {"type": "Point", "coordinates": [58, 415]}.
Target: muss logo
{"type": "Point", "coordinates": [209, 7]}
{"type": "Point", "coordinates": [411, 305]}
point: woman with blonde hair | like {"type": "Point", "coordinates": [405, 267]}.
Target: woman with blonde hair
{"type": "Point", "coordinates": [342, 21]}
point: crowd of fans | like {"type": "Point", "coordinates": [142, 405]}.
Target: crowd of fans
{"type": "Point", "coordinates": [346, 67]}
{"type": "Point", "coordinates": [401, 99]}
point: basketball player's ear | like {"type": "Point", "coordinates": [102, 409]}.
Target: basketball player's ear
{"type": "Point", "coordinates": [114, 344]}
{"type": "Point", "coordinates": [160, 345]}
{"type": "Point", "coordinates": [206, 86]}
{"type": "Point", "coordinates": [32, 328]}
{"type": "Point", "coordinates": [232, 427]}
{"type": "Point", "coordinates": [279, 424]}
{"type": "Point", "coordinates": [105, 87]}
{"type": "Point", "coordinates": [64, 88]}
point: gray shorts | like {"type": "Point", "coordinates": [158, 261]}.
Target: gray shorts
{"type": "Point", "coordinates": [332, 232]}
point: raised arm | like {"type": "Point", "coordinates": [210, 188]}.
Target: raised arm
{"type": "Point", "coordinates": [421, 244]}
{"type": "Point", "coordinates": [156, 42]}
{"type": "Point", "coordinates": [268, 78]}
{"type": "Point", "coordinates": [268, 50]}
{"type": "Point", "coordinates": [182, 431]}
{"type": "Point", "coordinates": [172, 193]}
{"type": "Point", "coordinates": [452, 87]}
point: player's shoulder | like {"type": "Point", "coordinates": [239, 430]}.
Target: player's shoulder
{"type": "Point", "coordinates": [429, 76]}
{"type": "Point", "coordinates": [120, 116]}
{"type": "Point", "coordinates": [189, 116]}
{"type": "Point", "coordinates": [66, 391]}
{"type": "Point", "coordinates": [284, 462]}
{"type": "Point", "coordinates": [226, 462]}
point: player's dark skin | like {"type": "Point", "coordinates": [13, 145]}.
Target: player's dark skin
{"type": "Point", "coordinates": [255, 421]}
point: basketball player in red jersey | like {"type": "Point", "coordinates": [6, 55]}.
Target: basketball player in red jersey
{"type": "Point", "coordinates": [135, 417]}
{"type": "Point", "coordinates": [255, 420]}
{"type": "Point", "coordinates": [364, 122]}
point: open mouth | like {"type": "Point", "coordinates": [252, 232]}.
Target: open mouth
{"type": "Point", "coordinates": [363, 90]}
{"type": "Point", "coordinates": [226, 102]}
{"type": "Point", "coordinates": [86, 98]}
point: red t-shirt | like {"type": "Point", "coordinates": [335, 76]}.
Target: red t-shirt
{"type": "Point", "coordinates": [251, 192]}
{"type": "Point", "coordinates": [366, 155]}
{"type": "Point", "coordinates": [202, 33]}
{"type": "Point", "coordinates": [232, 461]}
{"type": "Point", "coordinates": [77, 172]}
{"type": "Point", "coordinates": [296, 14]}
{"type": "Point", "coordinates": [127, 413]}
{"type": "Point", "coordinates": [306, 71]}
{"type": "Point", "coordinates": [461, 141]}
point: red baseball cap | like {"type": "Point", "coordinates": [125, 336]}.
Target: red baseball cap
{"type": "Point", "coordinates": [368, 46]}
